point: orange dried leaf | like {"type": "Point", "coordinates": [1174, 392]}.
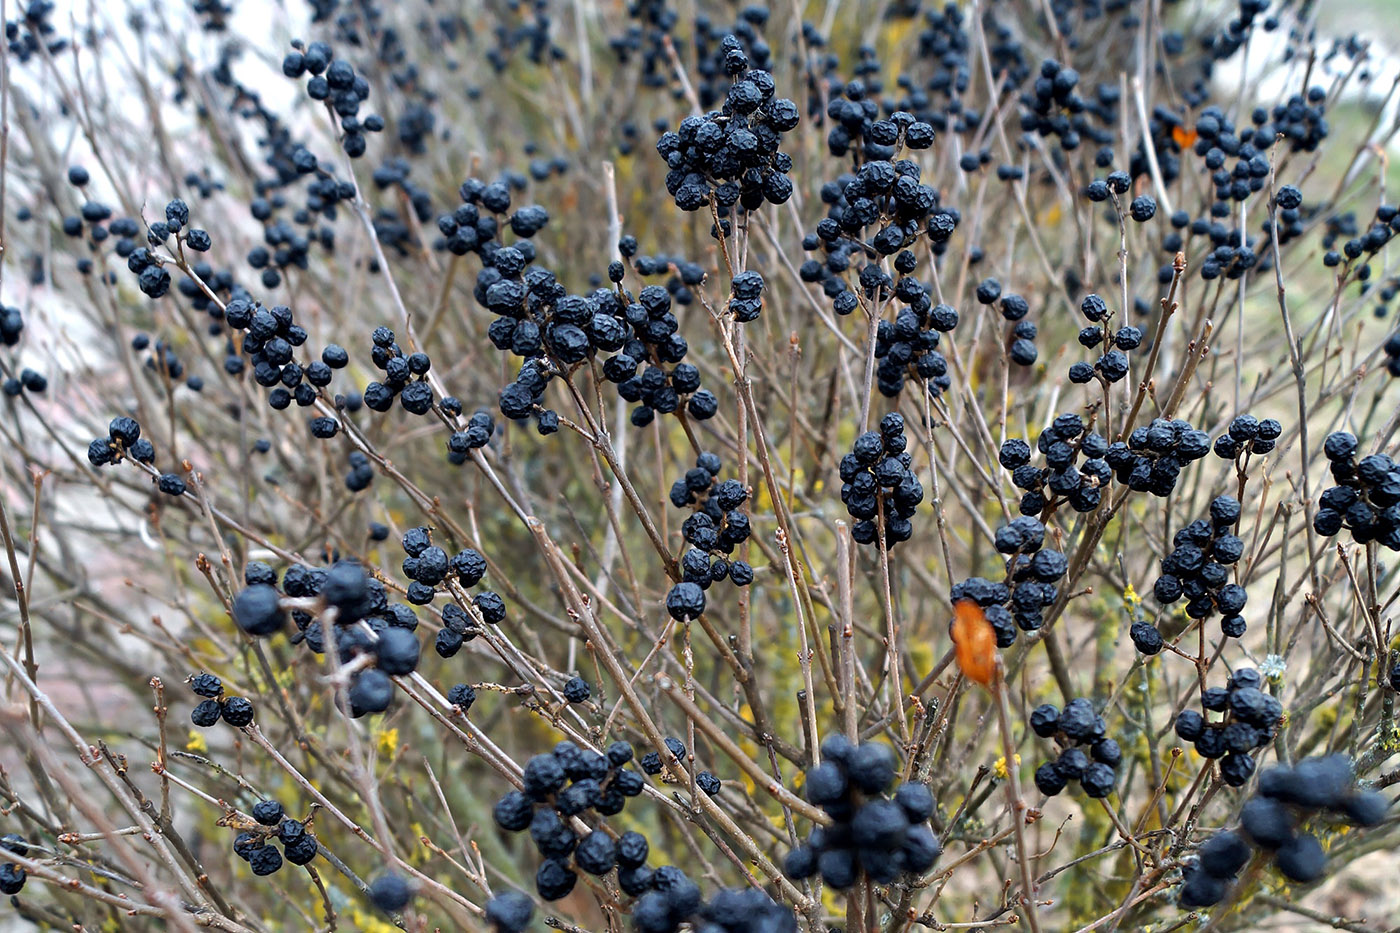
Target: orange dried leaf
{"type": "Point", "coordinates": [975, 642]}
{"type": "Point", "coordinates": [1183, 137]}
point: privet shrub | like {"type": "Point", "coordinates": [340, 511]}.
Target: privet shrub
{"type": "Point", "coordinates": [851, 466]}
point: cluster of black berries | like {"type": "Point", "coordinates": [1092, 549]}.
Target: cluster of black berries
{"type": "Point", "coordinates": [630, 134]}
{"type": "Point", "coordinates": [1014, 308]}
{"type": "Point", "coordinates": [651, 761]}
{"type": "Point", "coordinates": [877, 482]}
{"type": "Point", "coordinates": [1198, 568]}
{"type": "Point", "coordinates": [270, 341]}
{"type": "Point", "coordinates": [1362, 247]}
{"type": "Point", "coordinates": [713, 41]}
{"type": "Point", "coordinates": [1152, 459]}
{"type": "Point", "coordinates": [430, 567]}
{"type": "Point", "coordinates": [460, 627]}
{"type": "Point", "coordinates": [1339, 225]}
{"type": "Point", "coordinates": [151, 275]}
{"type": "Point", "coordinates": [840, 238]}
{"type": "Point", "coordinates": [203, 182]}
{"type": "Point", "coordinates": [11, 325]}
{"type": "Point", "coordinates": [830, 270]}
{"type": "Point", "coordinates": [1218, 860]}
{"type": "Point", "coordinates": [547, 326]}
{"type": "Point", "coordinates": [390, 225]}
{"type": "Point", "coordinates": [123, 440]}
{"type": "Point", "coordinates": [1225, 43]}
{"type": "Point", "coordinates": [1073, 728]}
{"type": "Point", "coordinates": [556, 331]}
{"type": "Point", "coordinates": [945, 50]}
{"type": "Point", "coordinates": [480, 428]}
{"type": "Point", "coordinates": [1249, 721]}
{"type": "Point", "coordinates": [12, 876]}
{"type": "Point", "coordinates": [1054, 109]}
{"type": "Point", "coordinates": [652, 764]}
{"type": "Point", "coordinates": [1032, 572]}
{"type": "Point", "coordinates": [907, 347]}
{"type": "Point", "coordinates": [648, 365]}
{"type": "Point", "coordinates": [531, 33]}
{"type": "Point", "coordinates": [255, 848]}
{"type": "Point", "coordinates": [287, 245]}
{"type": "Point", "coordinates": [1217, 141]}
{"type": "Point", "coordinates": [873, 835]}
{"type": "Point", "coordinates": [236, 711]}
{"type": "Point", "coordinates": [745, 910]}
{"type": "Point", "coordinates": [858, 130]}
{"type": "Point", "coordinates": [1300, 120]}
{"type": "Point", "coordinates": [365, 623]}
{"type": "Point", "coordinates": [746, 296]}
{"type": "Point", "coordinates": [1288, 796]}
{"type": "Point", "coordinates": [360, 474]}
{"type": "Point", "coordinates": [177, 224]}
{"type": "Point", "coordinates": [1392, 354]}
{"type": "Point", "coordinates": [682, 275]}
{"type": "Point", "coordinates": [884, 194]}
{"type": "Point", "coordinates": [732, 155]}
{"type": "Point", "coordinates": [1062, 479]}
{"type": "Point", "coordinates": [404, 376]}
{"type": "Point", "coordinates": [1112, 365]}
{"type": "Point", "coordinates": [993, 599]}
{"type": "Point", "coordinates": [715, 527]}
{"type": "Point", "coordinates": [1385, 296]}
{"type": "Point", "coordinates": [396, 652]}
{"type": "Point", "coordinates": [31, 34]}
{"type": "Point", "coordinates": [166, 364]}
{"type": "Point", "coordinates": [334, 81]}
{"type": "Point", "coordinates": [562, 786]}
{"type": "Point", "coordinates": [1248, 434]}
{"type": "Point", "coordinates": [1230, 258]}
{"type": "Point", "coordinates": [475, 225]}
{"type": "Point", "coordinates": [670, 897]}
{"type": "Point", "coordinates": [1365, 500]}
{"type": "Point", "coordinates": [93, 214]}
{"type": "Point", "coordinates": [28, 380]}
{"type": "Point", "coordinates": [647, 39]}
